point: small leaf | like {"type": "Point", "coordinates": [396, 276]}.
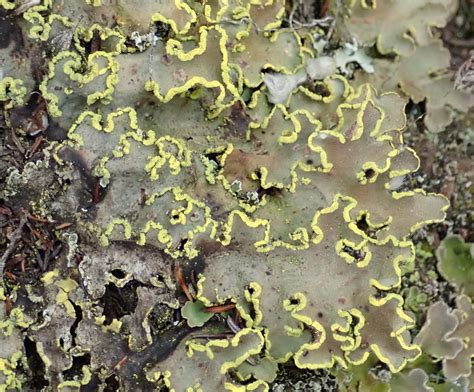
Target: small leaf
{"type": "Point", "coordinates": [194, 314]}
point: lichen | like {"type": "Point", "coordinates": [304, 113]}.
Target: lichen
{"type": "Point", "coordinates": [448, 335]}
{"type": "Point", "coordinates": [209, 136]}
{"type": "Point", "coordinates": [420, 68]}
{"type": "Point", "coordinates": [11, 347]}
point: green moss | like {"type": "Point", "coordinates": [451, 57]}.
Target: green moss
{"type": "Point", "coordinates": [456, 263]}
{"type": "Point", "coordinates": [194, 313]}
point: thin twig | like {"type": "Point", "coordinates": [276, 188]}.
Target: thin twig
{"type": "Point", "coordinates": [232, 325]}
{"type": "Point", "coordinates": [327, 20]}
{"type": "Point", "coordinates": [178, 273]}
{"type": "Point", "coordinates": [16, 142]}
{"type": "Point", "coordinates": [225, 335]}
{"type": "Point", "coordinates": [15, 237]}
{"type": "Point", "coordinates": [152, 52]}
{"type": "Point", "coordinates": [26, 6]}
{"type": "Point", "coordinates": [293, 23]}
{"type": "Point", "coordinates": [466, 43]}
{"type": "Point", "coordinates": [219, 308]}
{"type": "Point", "coordinates": [337, 15]}
{"type": "Point", "coordinates": [292, 14]}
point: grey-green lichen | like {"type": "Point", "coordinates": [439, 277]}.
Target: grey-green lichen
{"type": "Point", "coordinates": [420, 66]}
{"type": "Point", "coordinates": [290, 203]}
{"type": "Point", "coordinates": [11, 351]}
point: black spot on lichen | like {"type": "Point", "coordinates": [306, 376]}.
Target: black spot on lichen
{"type": "Point", "coordinates": [119, 274]}
{"type": "Point", "coordinates": [369, 173]}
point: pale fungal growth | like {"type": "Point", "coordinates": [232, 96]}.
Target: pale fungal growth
{"type": "Point", "coordinates": [209, 138]}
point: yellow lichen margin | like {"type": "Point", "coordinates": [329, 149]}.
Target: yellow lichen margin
{"type": "Point", "coordinates": [224, 343]}
{"type": "Point", "coordinates": [12, 91]}
{"type": "Point", "coordinates": [104, 33]}
{"type": "Point", "coordinates": [164, 235]}
{"type": "Point", "coordinates": [252, 223]}
{"type": "Point", "coordinates": [416, 226]}
{"type": "Point", "coordinates": [65, 286]}
{"type": "Point", "coordinates": [319, 234]}
{"type": "Point", "coordinates": [86, 377]}
{"type": "Point", "coordinates": [175, 48]}
{"type": "Point", "coordinates": [72, 63]}
{"type": "Point", "coordinates": [409, 323]}
{"type": "Point", "coordinates": [252, 295]}
{"type": "Point", "coordinates": [180, 5]}
{"type": "Point", "coordinates": [94, 3]}
{"type": "Point", "coordinates": [104, 238]}
{"type": "Point", "coordinates": [317, 330]}
{"type": "Point", "coordinates": [7, 369]}
{"type": "Point", "coordinates": [42, 26]}
{"type": "Point", "coordinates": [7, 4]}
{"type": "Point", "coordinates": [258, 386]}
{"type": "Point", "coordinates": [182, 157]}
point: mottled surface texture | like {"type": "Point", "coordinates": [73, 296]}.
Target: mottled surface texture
{"type": "Point", "coordinates": [217, 189]}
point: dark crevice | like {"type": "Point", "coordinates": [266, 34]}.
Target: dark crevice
{"type": "Point", "coordinates": [78, 319]}
{"type": "Point", "coordinates": [75, 371]}
{"type": "Point", "coordinates": [92, 385]}
{"type": "Point", "coordinates": [36, 365]}
{"type": "Point", "coordinates": [182, 243]}
{"type": "Point", "coordinates": [239, 120]}
{"type": "Point", "coordinates": [112, 384]}
{"type": "Point", "coordinates": [356, 254]}
{"type": "Point", "coordinates": [294, 301]}
{"type": "Point", "coordinates": [364, 226]}
{"type": "Point", "coordinates": [93, 45]}
{"type": "Point", "coordinates": [369, 173]}
{"type": "Point", "coordinates": [318, 88]}
{"type": "Point", "coordinates": [370, 3]}
{"type": "Point", "coordinates": [161, 318]}
{"type": "Point", "coordinates": [162, 30]}
{"type": "Point", "coordinates": [134, 369]}
{"type": "Point", "coordinates": [119, 301]}
{"type": "Point", "coordinates": [215, 157]}
{"type": "Point", "coordinates": [192, 267]}
{"type": "Point", "coordinates": [415, 112]}
{"type": "Point", "coordinates": [118, 273]}
{"type": "Point", "coordinates": [271, 192]}
{"type": "Point", "coordinates": [10, 31]}
{"type": "Point", "coordinates": [99, 192]}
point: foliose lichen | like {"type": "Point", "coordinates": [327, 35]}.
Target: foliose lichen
{"type": "Point", "coordinates": [291, 204]}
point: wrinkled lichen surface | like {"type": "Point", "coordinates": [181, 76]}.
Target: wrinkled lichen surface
{"type": "Point", "coordinates": [234, 187]}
